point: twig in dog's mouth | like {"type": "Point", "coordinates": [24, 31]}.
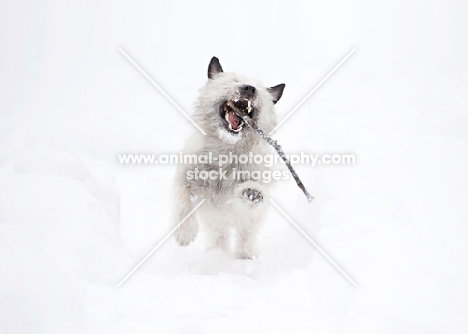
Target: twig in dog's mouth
{"type": "Point", "coordinates": [239, 111]}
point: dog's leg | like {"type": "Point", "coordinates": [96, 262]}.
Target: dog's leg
{"type": "Point", "coordinates": [246, 240]}
{"type": "Point", "coordinates": [251, 204]}
{"type": "Point", "coordinates": [186, 232]}
{"type": "Point", "coordinates": [218, 233]}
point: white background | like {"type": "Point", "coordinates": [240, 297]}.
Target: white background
{"type": "Point", "coordinates": [73, 221]}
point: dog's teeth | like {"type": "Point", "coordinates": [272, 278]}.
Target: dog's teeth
{"type": "Point", "coordinates": [249, 107]}
{"type": "Point", "coordinates": [236, 130]}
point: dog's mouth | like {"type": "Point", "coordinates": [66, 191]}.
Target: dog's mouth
{"type": "Point", "coordinates": [233, 122]}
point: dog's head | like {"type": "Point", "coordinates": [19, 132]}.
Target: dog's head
{"type": "Point", "coordinates": [225, 89]}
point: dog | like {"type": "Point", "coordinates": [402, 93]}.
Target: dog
{"type": "Point", "coordinates": [233, 204]}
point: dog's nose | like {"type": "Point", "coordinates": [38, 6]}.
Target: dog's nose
{"type": "Point", "coordinates": [248, 91]}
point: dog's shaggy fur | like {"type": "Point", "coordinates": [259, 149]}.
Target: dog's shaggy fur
{"type": "Point", "coordinates": [231, 204]}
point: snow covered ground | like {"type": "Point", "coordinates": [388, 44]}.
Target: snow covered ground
{"type": "Point", "coordinates": [73, 222]}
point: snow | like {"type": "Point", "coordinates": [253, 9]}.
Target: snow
{"type": "Point", "coordinates": [73, 222]}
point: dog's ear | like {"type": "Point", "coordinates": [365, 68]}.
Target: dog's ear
{"type": "Point", "coordinates": [214, 67]}
{"type": "Point", "coordinates": [276, 92]}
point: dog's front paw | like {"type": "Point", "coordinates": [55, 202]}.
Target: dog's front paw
{"type": "Point", "coordinates": [185, 234]}
{"type": "Point", "coordinates": [246, 256]}
{"type": "Point", "coordinates": [246, 252]}
{"type": "Point", "coordinates": [252, 196]}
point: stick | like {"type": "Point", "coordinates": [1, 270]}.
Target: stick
{"type": "Point", "coordinates": [250, 122]}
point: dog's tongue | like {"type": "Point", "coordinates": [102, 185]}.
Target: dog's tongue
{"type": "Point", "coordinates": [234, 120]}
